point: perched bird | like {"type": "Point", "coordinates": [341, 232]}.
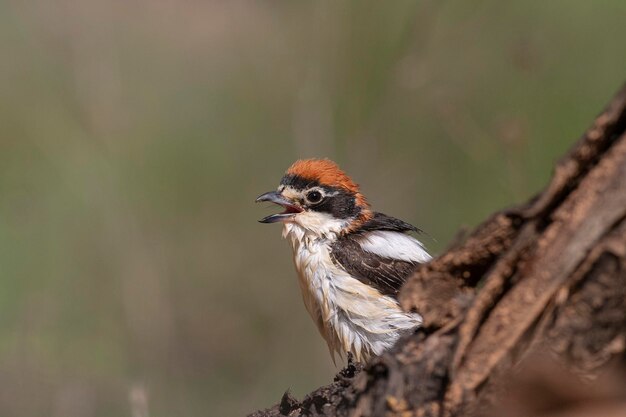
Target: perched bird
{"type": "Point", "coordinates": [351, 261]}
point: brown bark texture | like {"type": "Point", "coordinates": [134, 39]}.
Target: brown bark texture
{"type": "Point", "coordinates": [525, 315]}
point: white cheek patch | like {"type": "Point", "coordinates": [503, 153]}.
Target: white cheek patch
{"type": "Point", "coordinates": [319, 223]}
{"type": "Point", "coordinates": [394, 245]}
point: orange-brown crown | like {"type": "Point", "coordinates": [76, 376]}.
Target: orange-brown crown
{"type": "Point", "coordinates": [327, 172]}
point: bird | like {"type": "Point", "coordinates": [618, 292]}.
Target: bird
{"type": "Point", "coordinates": [350, 260]}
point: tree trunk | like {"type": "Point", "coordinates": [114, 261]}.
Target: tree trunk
{"type": "Point", "coordinates": [548, 276]}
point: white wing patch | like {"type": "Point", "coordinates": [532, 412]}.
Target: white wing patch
{"type": "Point", "coordinates": [394, 245]}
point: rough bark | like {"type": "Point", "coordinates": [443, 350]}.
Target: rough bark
{"type": "Point", "coordinates": [547, 276]}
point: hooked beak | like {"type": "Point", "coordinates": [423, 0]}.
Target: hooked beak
{"type": "Point", "coordinates": [277, 198]}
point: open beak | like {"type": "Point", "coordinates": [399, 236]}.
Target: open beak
{"type": "Point", "coordinates": [277, 198]}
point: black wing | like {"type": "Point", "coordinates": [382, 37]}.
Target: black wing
{"type": "Point", "coordinates": [385, 274]}
{"type": "Point", "coordinates": [380, 221]}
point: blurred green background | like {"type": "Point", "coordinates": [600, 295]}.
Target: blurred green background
{"type": "Point", "coordinates": [135, 136]}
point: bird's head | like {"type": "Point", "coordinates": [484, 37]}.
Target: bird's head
{"type": "Point", "coordinates": [318, 196]}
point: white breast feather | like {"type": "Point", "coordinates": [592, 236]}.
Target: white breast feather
{"type": "Point", "coordinates": [394, 245]}
{"type": "Point", "coordinates": [351, 316]}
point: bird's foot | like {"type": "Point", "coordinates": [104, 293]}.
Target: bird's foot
{"type": "Point", "coordinates": [350, 371]}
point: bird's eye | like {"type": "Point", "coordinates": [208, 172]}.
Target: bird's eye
{"type": "Point", "coordinates": [314, 196]}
